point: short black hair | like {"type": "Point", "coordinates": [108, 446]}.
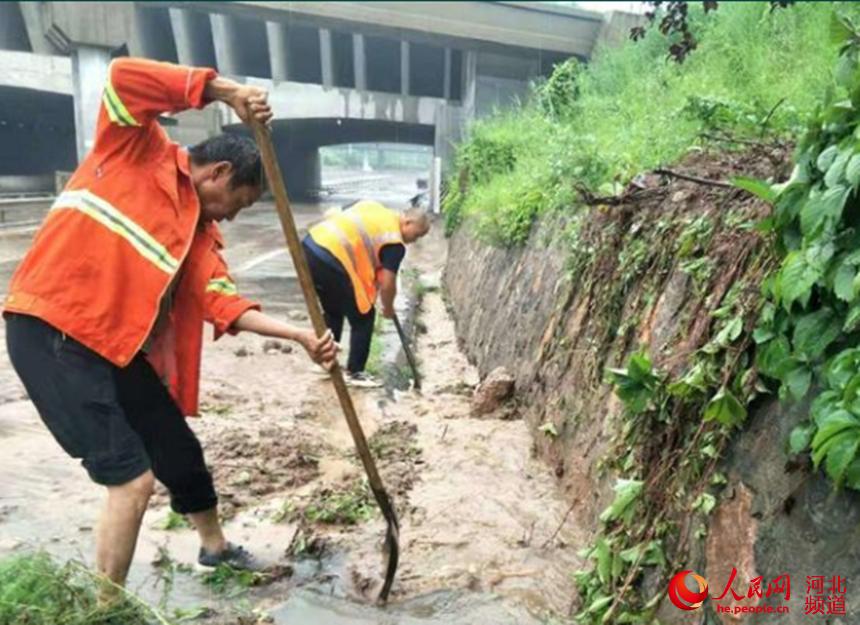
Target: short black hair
{"type": "Point", "coordinates": [238, 150]}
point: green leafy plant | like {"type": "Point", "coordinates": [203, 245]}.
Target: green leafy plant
{"type": "Point", "coordinates": [224, 579]}
{"type": "Point", "coordinates": [347, 506]}
{"type": "Point", "coordinates": [36, 590]}
{"type": "Point", "coordinates": [808, 333]}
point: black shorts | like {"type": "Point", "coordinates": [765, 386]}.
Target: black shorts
{"type": "Point", "coordinates": [119, 422]}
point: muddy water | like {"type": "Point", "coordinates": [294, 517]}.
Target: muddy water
{"type": "Point", "coordinates": [481, 533]}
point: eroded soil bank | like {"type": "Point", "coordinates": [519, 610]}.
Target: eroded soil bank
{"type": "Point", "coordinates": [650, 271]}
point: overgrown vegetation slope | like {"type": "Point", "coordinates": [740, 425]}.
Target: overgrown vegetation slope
{"type": "Point", "coordinates": [756, 71]}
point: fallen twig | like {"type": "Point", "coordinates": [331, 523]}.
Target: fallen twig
{"type": "Point", "coordinates": [769, 115]}
{"type": "Point", "coordinates": [696, 179]}
{"type": "Point", "coordinates": [549, 540]}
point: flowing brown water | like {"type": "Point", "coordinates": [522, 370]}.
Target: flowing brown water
{"type": "Point", "coordinates": [480, 516]}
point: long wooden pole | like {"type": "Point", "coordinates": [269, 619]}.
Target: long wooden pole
{"type": "Point", "coordinates": [288, 224]}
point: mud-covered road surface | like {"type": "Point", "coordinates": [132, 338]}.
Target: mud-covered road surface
{"type": "Point", "coordinates": [482, 538]}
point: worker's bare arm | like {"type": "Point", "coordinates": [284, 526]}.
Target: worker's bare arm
{"type": "Point", "coordinates": [387, 292]}
{"type": "Point", "coordinates": [321, 350]}
{"type": "Point", "coordinates": [247, 100]}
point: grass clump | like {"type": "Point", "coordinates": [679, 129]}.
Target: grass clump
{"type": "Point", "coordinates": [342, 506]}
{"type": "Point", "coordinates": [226, 580]}
{"type": "Point", "coordinates": [173, 521]}
{"type": "Point", "coordinates": [35, 590]}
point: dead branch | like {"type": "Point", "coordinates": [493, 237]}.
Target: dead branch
{"type": "Point", "coordinates": [696, 179]}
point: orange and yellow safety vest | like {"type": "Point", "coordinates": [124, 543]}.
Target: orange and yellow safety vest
{"type": "Point", "coordinates": [355, 237]}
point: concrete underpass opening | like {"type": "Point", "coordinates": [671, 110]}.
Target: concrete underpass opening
{"type": "Point", "coordinates": [373, 157]}
{"type": "Point", "coordinates": [43, 122]}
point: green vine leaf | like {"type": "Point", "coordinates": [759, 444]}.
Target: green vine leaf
{"type": "Point", "coordinates": [725, 408]}
{"type": "Point", "coordinates": [549, 429]}
{"type": "Point", "coordinates": [730, 332]}
{"type": "Point", "coordinates": [800, 438]}
{"type": "Point", "coordinates": [826, 158]}
{"type": "Point", "coordinates": [822, 210]}
{"type": "Point", "coordinates": [842, 30]}
{"type": "Point", "coordinates": [836, 172]}
{"type": "Point", "coordinates": [814, 332]}
{"type": "Point", "coordinates": [835, 429]}
{"type": "Point", "coordinates": [796, 280]}
{"type": "Point", "coordinates": [798, 381]}
{"type": "Point", "coordinates": [852, 170]}
{"type": "Point", "coordinates": [626, 493]}
{"type": "Point", "coordinates": [852, 320]}
{"type": "Point", "coordinates": [852, 474]}
{"type": "Point", "coordinates": [840, 455]}
{"type": "Point", "coordinates": [759, 188]}
{"type": "Point", "coordinates": [636, 384]}
{"type": "Point", "coordinates": [843, 282]}
{"type": "Point", "coordinates": [774, 360]}
{"type": "Point", "coordinates": [705, 503]}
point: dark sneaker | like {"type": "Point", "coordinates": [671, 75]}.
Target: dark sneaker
{"type": "Point", "coordinates": [233, 556]}
{"type": "Point", "coordinates": [362, 379]}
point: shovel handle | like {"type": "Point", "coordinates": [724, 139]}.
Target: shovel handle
{"type": "Point", "coordinates": [262, 134]}
{"type": "Point", "coordinates": [410, 357]}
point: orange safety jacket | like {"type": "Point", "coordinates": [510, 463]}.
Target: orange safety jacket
{"type": "Point", "coordinates": [355, 237]}
{"type": "Point", "coordinates": [125, 225]}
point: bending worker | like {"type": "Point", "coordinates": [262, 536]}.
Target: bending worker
{"type": "Point", "coordinates": [353, 255]}
{"type": "Point", "coordinates": [105, 312]}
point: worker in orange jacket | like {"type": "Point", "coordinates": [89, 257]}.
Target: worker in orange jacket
{"type": "Point", "coordinates": [105, 312]}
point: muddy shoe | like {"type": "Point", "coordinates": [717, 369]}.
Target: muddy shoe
{"type": "Point", "coordinates": [362, 379]}
{"type": "Point", "coordinates": [234, 556]}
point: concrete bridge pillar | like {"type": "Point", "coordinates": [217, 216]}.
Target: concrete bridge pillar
{"type": "Point", "coordinates": [469, 90]}
{"type": "Point", "coordinates": [89, 73]}
{"type": "Point", "coordinates": [193, 35]}
{"type": "Point", "coordinates": [300, 166]}
{"type": "Point", "coordinates": [446, 75]}
{"type": "Point", "coordinates": [359, 59]}
{"type": "Point", "coordinates": [404, 67]}
{"type": "Point", "coordinates": [279, 50]}
{"type": "Point", "coordinates": [326, 58]}
{"type": "Point", "coordinates": [13, 33]}
{"type": "Point", "coordinates": [223, 36]}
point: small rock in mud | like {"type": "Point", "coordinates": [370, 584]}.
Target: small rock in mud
{"type": "Point", "coordinates": [298, 315]}
{"type": "Point", "coordinates": [6, 510]}
{"type": "Point", "coordinates": [681, 195]}
{"type": "Point", "coordinates": [275, 347]}
{"type": "Point", "coordinates": [497, 387]}
{"type": "Point", "coordinates": [271, 346]}
{"type": "Point", "coordinates": [243, 352]}
{"type": "Point", "coordinates": [459, 388]}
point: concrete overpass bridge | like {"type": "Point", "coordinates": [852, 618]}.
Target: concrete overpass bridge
{"type": "Point", "coordinates": [338, 72]}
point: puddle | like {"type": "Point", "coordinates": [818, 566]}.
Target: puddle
{"type": "Point", "coordinates": [438, 608]}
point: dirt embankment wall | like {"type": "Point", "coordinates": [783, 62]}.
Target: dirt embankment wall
{"type": "Point", "coordinates": [649, 272]}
